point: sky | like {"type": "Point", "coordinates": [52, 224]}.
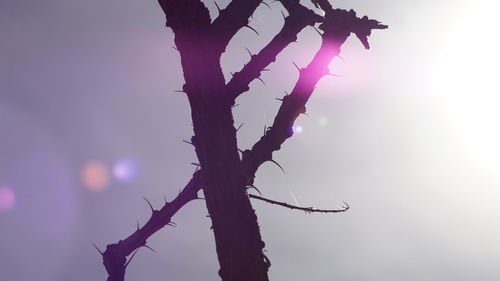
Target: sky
{"type": "Point", "coordinates": [407, 136]}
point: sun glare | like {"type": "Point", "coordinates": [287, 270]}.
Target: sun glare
{"type": "Point", "coordinates": [465, 78]}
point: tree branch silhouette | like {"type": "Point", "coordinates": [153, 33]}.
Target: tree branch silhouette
{"type": "Point", "coordinates": [305, 209]}
{"type": "Point", "coordinates": [223, 175]}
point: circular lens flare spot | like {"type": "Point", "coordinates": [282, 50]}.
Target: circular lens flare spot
{"type": "Point", "coordinates": [95, 176]}
{"type": "Point", "coordinates": [298, 129]}
{"type": "Point", "coordinates": [7, 198]}
{"type": "Point", "coordinates": [323, 121]}
{"type": "Point", "coordinates": [125, 170]}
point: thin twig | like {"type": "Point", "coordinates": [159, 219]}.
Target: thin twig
{"type": "Point", "coordinates": [305, 209]}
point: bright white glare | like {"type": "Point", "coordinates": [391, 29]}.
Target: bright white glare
{"type": "Point", "coordinates": [465, 78]}
{"type": "Point", "coordinates": [298, 129]}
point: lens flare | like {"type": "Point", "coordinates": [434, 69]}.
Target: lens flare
{"type": "Point", "coordinates": [125, 170]}
{"type": "Point", "coordinates": [298, 129]}
{"type": "Point", "coordinates": [7, 198]}
{"type": "Point", "coordinates": [323, 121]}
{"type": "Point", "coordinates": [95, 176]}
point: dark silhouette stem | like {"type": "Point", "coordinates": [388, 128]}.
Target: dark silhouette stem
{"type": "Point", "coordinates": [305, 209]}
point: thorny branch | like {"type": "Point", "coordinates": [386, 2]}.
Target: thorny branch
{"type": "Point", "coordinates": [337, 26]}
{"type": "Point", "coordinates": [114, 257]}
{"type": "Point", "coordinates": [305, 209]}
{"type": "Point", "coordinates": [299, 18]}
{"type": "Point", "coordinates": [190, 18]}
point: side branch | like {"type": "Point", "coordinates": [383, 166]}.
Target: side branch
{"type": "Point", "coordinates": [299, 18]}
{"type": "Point", "coordinates": [337, 26]}
{"type": "Point", "coordinates": [305, 209]}
{"type": "Point", "coordinates": [115, 255]}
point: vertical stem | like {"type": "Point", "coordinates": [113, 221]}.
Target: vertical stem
{"type": "Point", "coordinates": [237, 235]}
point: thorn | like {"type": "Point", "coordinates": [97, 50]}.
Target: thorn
{"type": "Point", "coordinates": [100, 252]}
{"type": "Point", "coordinates": [252, 29]}
{"type": "Point", "coordinates": [250, 53]}
{"type": "Point", "coordinates": [340, 57]}
{"type": "Point", "coordinates": [180, 91]}
{"type": "Point", "coordinates": [235, 105]}
{"type": "Point", "coordinates": [165, 199]}
{"type": "Point", "coordinates": [232, 74]}
{"type": "Point", "coordinates": [317, 30]}
{"type": "Point", "coordinates": [265, 129]}
{"type": "Point", "coordinates": [218, 8]}
{"type": "Point", "coordinates": [281, 100]}
{"type": "Point", "coordinates": [286, 93]}
{"type": "Point", "coordinates": [137, 226]}
{"type": "Point", "coordinates": [152, 250]}
{"type": "Point", "coordinates": [335, 75]}
{"type": "Point", "coordinates": [149, 203]}
{"type": "Point", "coordinates": [175, 48]}
{"type": "Point", "coordinates": [254, 187]}
{"type": "Point", "coordinates": [239, 127]}
{"type": "Point", "coordinates": [131, 257]}
{"type": "Point", "coordinates": [266, 69]}
{"type": "Point", "coordinates": [241, 151]}
{"type": "Point", "coordinates": [266, 4]}
{"type": "Point", "coordinates": [188, 142]}
{"type": "Point", "coordinates": [277, 164]}
{"type": "Point", "coordinates": [260, 79]}
{"type": "Point", "coordinates": [347, 205]}
{"type": "Point", "coordinates": [172, 224]}
{"type": "Point", "coordinates": [296, 66]}
{"type": "Point", "coordinates": [283, 14]}
{"type": "Point", "coordinates": [196, 164]}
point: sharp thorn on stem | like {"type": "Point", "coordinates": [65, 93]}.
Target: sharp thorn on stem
{"type": "Point", "coordinates": [265, 4]}
{"type": "Point", "coordinates": [149, 203]}
{"type": "Point", "coordinates": [131, 257]}
{"type": "Point", "coordinates": [277, 164]}
{"type": "Point", "coordinates": [218, 8]}
{"type": "Point", "coordinates": [250, 53]}
{"type": "Point", "coordinates": [254, 187]}
{"type": "Point", "coordinates": [152, 250]}
{"type": "Point", "coordinates": [248, 26]}
{"type": "Point", "coordinates": [239, 127]}
{"type": "Point", "coordinates": [97, 248]}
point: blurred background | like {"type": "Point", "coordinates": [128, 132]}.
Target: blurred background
{"type": "Point", "coordinates": [408, 136]}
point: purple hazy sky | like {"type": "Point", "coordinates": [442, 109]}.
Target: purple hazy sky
{"type": "Point", "coordinates": [408, 136]}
